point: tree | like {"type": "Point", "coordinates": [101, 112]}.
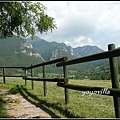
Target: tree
{"type": "Point", "coordinates": [24, 18]}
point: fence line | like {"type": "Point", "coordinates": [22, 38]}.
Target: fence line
{"type": "Point", "coordinates": [111, 54]}
{"type": "Point", "coordinates": [99, 56]}
{"type": "Point", "coordinates": [95, 90]}
{"type": "Point", "coordinates": [4, 75]}
{"type": "Point", "coordinates": [48, 63]}
{"type": "Point", "coordinates": [44, 79]}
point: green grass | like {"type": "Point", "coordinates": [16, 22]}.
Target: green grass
{"type": "Point", "coordinates": [94, 106]}
{"type": "Point", "coordinates": [49, 74]}
{"type": "Point", "coordinates": [3, 112]}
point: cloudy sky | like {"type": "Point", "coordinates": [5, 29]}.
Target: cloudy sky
{"type": "Point", "coordinates": [82, 23]}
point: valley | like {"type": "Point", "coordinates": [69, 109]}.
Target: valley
{"type": "Point", "coordinates": [17, 51]}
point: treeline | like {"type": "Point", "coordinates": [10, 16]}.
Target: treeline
{"type": "Point", "coordinates": [93, 75]}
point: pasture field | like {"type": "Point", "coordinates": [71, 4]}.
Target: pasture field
{"type": "Point", "coordinates": [80, 106]}
{"type": "Point", "coordinates": [49, 74]}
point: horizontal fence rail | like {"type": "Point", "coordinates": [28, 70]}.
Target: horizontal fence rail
{"type": "Point", "coordinates": [11, 76]}
{"type": "Point", "coordinates": [11, 67]}
{"type": "Point", "coordinates": [47, 63]}
{"type": "Point", "coordinates": [103, 55]}
{"type": "Point", "coordinates": [44, 79]}
{"type": "Point", "coordinates": [48, 79]}
{"type": "Point", "coordinates": [4, 75]}
{"type": "Point", "coordinates": [90, 89]}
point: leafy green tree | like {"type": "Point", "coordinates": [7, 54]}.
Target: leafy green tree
{"type": "Point", "coordinates": [24, 19]}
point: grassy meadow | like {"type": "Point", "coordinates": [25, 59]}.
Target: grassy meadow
{"type": "Point", "coordinates": [94, 106]}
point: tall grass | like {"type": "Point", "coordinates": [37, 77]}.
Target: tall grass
{"type": "Point", "coordinates": [94, 106]}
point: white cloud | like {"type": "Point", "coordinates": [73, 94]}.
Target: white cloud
{"type": "Point", "coordinates": [98, 21]}
{"type": "Point", "coordinates": [80, 41]}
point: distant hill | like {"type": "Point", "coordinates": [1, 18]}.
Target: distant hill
{"type": "Point", "coordinates": [53, 50]}
{"type": "Point", "coordinates": [87, 50]}
{"type": "Point", "coordinates": [17, 51]}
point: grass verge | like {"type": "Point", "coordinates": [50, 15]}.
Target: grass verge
{"type": "Point", "coordinates": [94, 106]}
{"type": "Point", "coordinates": [3, 112]}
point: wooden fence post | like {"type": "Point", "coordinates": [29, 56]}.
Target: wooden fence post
{"type": "Point", "coordinates": [32, 75]}
{"type": "Point", "coordinates": [115, 80]}
{"type": "Point", "coordinates": [44, 82]}
{"type": "Point", "coordinates": [4, 75]}
{"type": "Point", "coordinates": [65, 72]}
{"type": "Point", "coordinates": [25, 77]}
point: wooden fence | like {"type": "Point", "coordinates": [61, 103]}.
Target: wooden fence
{"type": "Point", "coordinates": [4, 74]}
{"type": "Point", "coordinates": [111, 54]}
{"type": "Point", "coordinates": [44, 79]}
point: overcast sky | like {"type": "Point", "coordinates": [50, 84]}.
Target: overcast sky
{"type": "Point", "coordinates": [82, 23]}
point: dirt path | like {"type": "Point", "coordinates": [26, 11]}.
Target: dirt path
{"type": "Point", "coordinates": [18, 107]}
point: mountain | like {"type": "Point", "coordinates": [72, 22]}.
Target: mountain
{"type": "Point", "coordinates": [53, 50]}
{"type": "Point", "coordinates": [87, 50]}
{"type": "Point", "coordinates": [16, 51]}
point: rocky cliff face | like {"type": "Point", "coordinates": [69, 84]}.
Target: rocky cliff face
{"type": "Point", "coordinates": [17, 51]}
{"type": "Point", "coordinates": [53, 50]}
{"type": "Point", "coordinates": [28, 49]}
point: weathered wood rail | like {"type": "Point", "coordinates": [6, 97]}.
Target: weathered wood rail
{"type": "Point", "coordinates": [48, 79]}
{"type": "Point", "coordinates": [111, 54]}
{"type": "Point", "coordinates": [44, 79]}
{"type": "Point", "coordinates": [4, 74]}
